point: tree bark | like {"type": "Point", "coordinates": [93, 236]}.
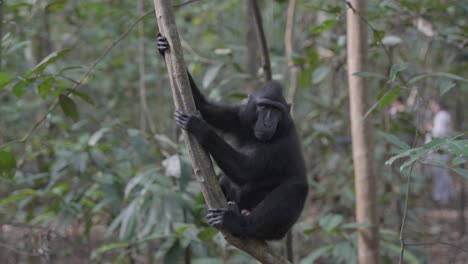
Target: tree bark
{"type": "Point", "coordinates": [261, 41]}
{"type": "Point", "coordinates": [362, 135]}
{"type": "Point", "coordinates": [251, 60]}
{"type": "Point", "coordinates": [203, 168]}
{"type": "Point", "coordinates": [145, 117]}
{"type": "Point", "coordinates": [288, 46]}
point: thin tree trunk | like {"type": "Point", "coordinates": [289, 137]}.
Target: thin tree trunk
{"type": "Point", "coordinates": [1, 33]}
{"type": "Point", "coordinates": [459, 117]}
{"type": "Point", "coordinates": [288, 45]}
{"type": "Point", "coordinates": [293, 71]}
{"type": "Point", "coordinates": [251, 64]}
{"type": "Point", "coordinates": [261, 41]}
{"type": "Point", "coordinates": [145, 118]}
{"type": "Point", "coordinates": [362, 135]}
{"type": "Point", "coordinates": [203, 168]}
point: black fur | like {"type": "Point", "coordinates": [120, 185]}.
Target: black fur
{"type": "Point", "coordinates": [265, 181]}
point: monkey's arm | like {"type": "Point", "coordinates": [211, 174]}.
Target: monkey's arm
{"type": "Point", "coordinates": [220, 116]}
{"type": "Point", "coordinates": [233, 163]}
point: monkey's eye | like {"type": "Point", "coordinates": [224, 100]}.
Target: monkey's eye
{"type": "Point", "coordinates": [261, 107]}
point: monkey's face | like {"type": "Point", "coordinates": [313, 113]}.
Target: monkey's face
{"type": "Point", "coordinates": [268, 118]}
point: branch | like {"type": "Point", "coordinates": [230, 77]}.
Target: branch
{"type": "Point", "coordinates": [288, 45]}
{"type": "Point", "coordinates": [403, 222]}
{"type": "Point", "coordinates": [261, 40]}
{"type": "Point", "coordinates": [201, 162]}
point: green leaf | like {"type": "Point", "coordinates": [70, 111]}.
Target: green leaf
{"type": "Point", "coordinates": [458, 160]}
{"type": "Point", "coordinates": [45, 87]}
{"type": "Point", "coordinates": [4, 79]}
{"type": "Point", "coordinates": [327, 24]}
{"type": "Point", "coordinates": [320, 74]}
{"type": "Point", "coordinates": [106, 247]}
{"type": "Point", "coordinates": [462, 172]}
{"type": "Point", "coordinates": [211, 74]}
{"type": "Point", "coordinates": [330, 10]}
{"type": "Point", "coordinates": [445, 86]}
{"type": "Point", "coordinates": [396, 68]}
{"type": "Point", "coordinates": [394, 140]}
{"type": "Point", "coordinates": [370, 75]}
{"type": "Point", "coordinates": [165, 141]}
{"type": "Point", "coordinates": [18, 88]}
{"type": "Point", "coordinates": [96, 136]}
{"type": "Point", "coordinates": [56, 6]}
{"type": "Point", "coordinates": [70, 68]}
{"type": "Point", "coordinates": [207, 233]}
{"type": "Point", "coordinates": [129, 219]}
{"type": "Point", "coordinates": [416, 156]}
{"type": "Point", "coordinates": [391, 96]}
{"type": "Point", "coordinates": [437, 74]}
{"type": "Point", "coordinates": [82, 95]}
{"type": "Point", "coordinates": [51, 58]}
{"type": "Point", "coordinates": [173, 254]}
{"type": "Point", "coordinates": [68, 107]}
{"type": "Point", "coordinates": [19, 195]}
{"type": "Point", "coordinates": [312, 257]}
{"type": "Point", "coordinates": [355, 225]}
{"type": "Point", "coordinates": [185, 172]}
{"type": "Point", "coordinates": [390, 161]}
{"type": "Point", "coordinates": [459, 147]}
{"type": "Point", "coordinates": [7, 164]}
{"type": "Point", "coordinates": [330, 222]}
{"type": "Point", "coordinates": [409, 257]}
{"type": "Point", "coordinates": [378, 35]}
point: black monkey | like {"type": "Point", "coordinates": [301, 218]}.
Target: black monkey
{"type": "Point", "coordinates": [265, 179]}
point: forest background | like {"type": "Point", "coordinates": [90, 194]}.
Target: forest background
{"type": "Point", "coordinates": [93, 169]}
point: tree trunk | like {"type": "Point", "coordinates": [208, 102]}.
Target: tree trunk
{"type": "Point", "coordinates": [362, 135]}
{"type": "Point", "coordinates": [203, 168]}
{"type": "Point", "coordinates": [266, 66]}
{"type": "Point", "coordinates": [251, 64]}
{"type": "Point", "coordinates": [288, 46]}
{"type": "Point", "coordinates": [145, 117]}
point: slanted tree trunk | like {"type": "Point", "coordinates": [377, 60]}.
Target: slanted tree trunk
{"type": "Point", "coordinates": [203, 168]}
{"type": "Point", "coordinates": [362, 135]}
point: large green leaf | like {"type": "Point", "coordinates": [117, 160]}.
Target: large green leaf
{"type": "Point", "coordinates": [18, 196]}
{"type": "Point", "coordinates": [211, 74]}
{"type": "Point", "coordinates": [437, 74]}
{"type": "Point", "coordinates": [46, 62]}
{"type": "Point", "coordinates": [390, 96]}
{"type": "Point", "coordinates": [68, 107]}
{"type": "Point", "coordinates": [394, 140]}
{"type": "Point", "coordinates": [462, 172]}
{"type": "Point", "coordinates": [370, 75]}
{"type": "Point", "coordinates": [7, 164]}
{"type": "Point", "coordinates": [445, 86]}
{"type": "Point", "coordinates": [82, 95]}
{"type": "Point", "coordinates": [396, 68]}
{"type": "Point", "coordinates": [312, 257]}
{"type": "Point", "coordinates": [4, 79]}
{"type": "Point", "coordinates": [326, 25]}
{"type": "Point", "coordinates": [45, 87]}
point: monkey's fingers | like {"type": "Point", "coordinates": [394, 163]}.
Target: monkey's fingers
{"type": "Point", "coordinates": [215, 217]}
{"type": "Point", "coordinates": [162, 44]}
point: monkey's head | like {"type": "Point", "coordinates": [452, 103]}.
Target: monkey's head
{"type": "Point", "coordinates": [267, 111]}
